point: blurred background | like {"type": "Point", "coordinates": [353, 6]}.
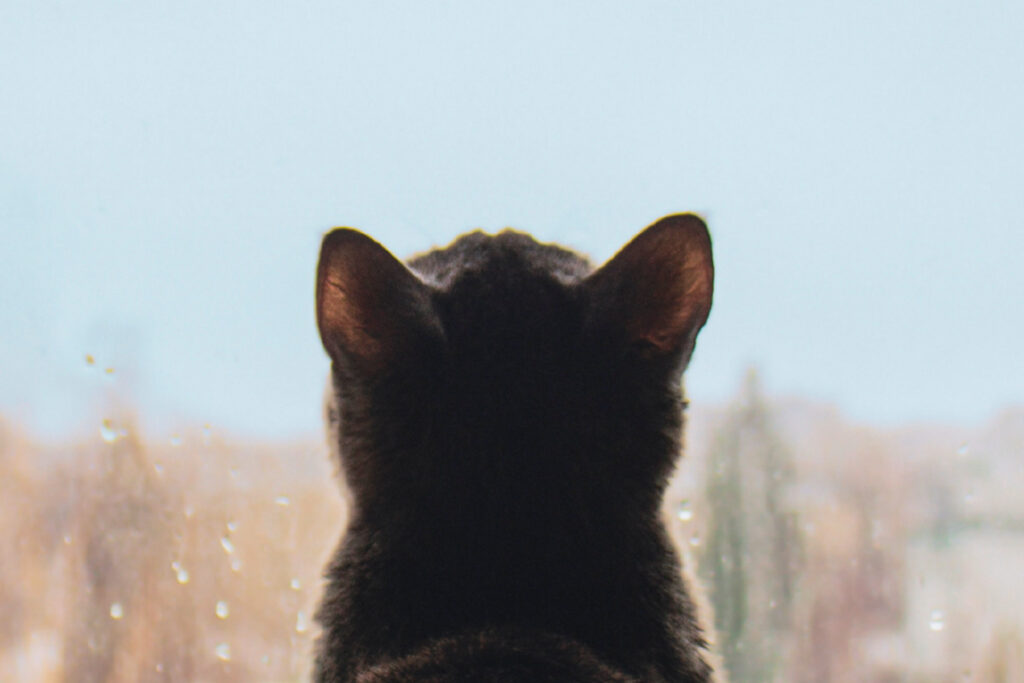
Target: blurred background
{"type": "Point", "coordinates": [849, 500]}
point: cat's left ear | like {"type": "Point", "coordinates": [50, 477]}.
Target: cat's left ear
{"type": "Point", "coordinates": [656, 292]}
{"type": "Point", "coordinates": [370, 308]}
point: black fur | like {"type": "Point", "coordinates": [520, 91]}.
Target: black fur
{"type": "Point", "coordinates": [506, 421]}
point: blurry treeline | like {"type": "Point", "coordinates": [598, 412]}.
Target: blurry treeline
{"type": "Point", "coordinates": [834, 552]}
{"type": "Point", "coordinates": [184, 560]}
{"type": "Point", "coordinates": [827, 551]}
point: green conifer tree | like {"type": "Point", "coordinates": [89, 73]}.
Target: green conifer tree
{"type": "Point", "coordinates": [751, 557]}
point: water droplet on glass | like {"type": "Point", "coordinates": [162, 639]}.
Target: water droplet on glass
{"type": "Point", "coordinates": [223, 652]}
{"type": "Point", "coordinates": [189, 511]}
{"type": "Point", "coordinates": [295, 584]}
{"type": "Point", "coordinates": [175, 440]}
{"type": "Point", "coordinates": [206, 432]}
{"type": "Point", "coordinates": [108, 371]}
{"type": "Point", "coordinates": [159, 667]}
{"type": "Point", "coordinates": [963, 449]}
{"type": "Point", "coordinates": [222, 610]}
{"type": "Point", "coordinates": [234, 472]}
{"type": "Point", "coordinates": [108, 433]}
{"type": "Point", "coordinates": [158, 468]}
{"type": "Point", "coordinates": [67, 539]}
{"type": "Point", "coordinates": [937, 621]}
{"type": "Point", "coordinates": [282, 500]}
{"type": "Point", "coordinates": [232, 525]}
{"type": "Point", "coordinates": [236, 564]}
{"type": "Point", "coordinates": [180, 572]}
{"type": "Point", "coordinates": [116, 611]}
{"type": "Point", "coordinates": [300, 622]}
{"type": "Point", "coordinates": [695, 539]}
{"type": "Point", "coordinates": [226, 543]}
{"type": "Point", "coordinates": [683, 511]}
{"type": "Point", "coordinates": [89, 360]}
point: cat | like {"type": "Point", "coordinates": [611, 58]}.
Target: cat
{"type": "Point", "coordinates": [506, 419]}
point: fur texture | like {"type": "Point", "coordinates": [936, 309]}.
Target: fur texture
{"type": "Point", "coordinates": [506, 420]}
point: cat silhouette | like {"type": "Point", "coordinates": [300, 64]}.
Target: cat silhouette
{"type": "Point", "coordinates": [505, 419]}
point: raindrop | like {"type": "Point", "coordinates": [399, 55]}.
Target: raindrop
{"type": "Point", "coordinates": [158, 468]}
{"type": "Point", "coordinates": [223, 652]}
{"type": "Point", "coordinates": [695, 539]}
{"type": "Point", "coordinates": [89, 360]}
{"type": "Point", "coordinates": [300, 622]}
{"type": "Point", "coordinates": [180, 572]}
{"type": "Point", "coordinates": [683, 511]}
{"type": "Point", "coordinates": [282, 500]}
{"type": "Point", "coordinates": [206, 434]}
{"type": "Point", "coordinates": [295, 584]}
{"type": "Point", "coordinates": [108, 433]}
{"type": "Point", "coordinates": [175, 440]}
{"type": "Point", "coordinates": [937, 621]}
{"type": "Point", "coordinates": [963, 449]}
{"type": "Point", "coordinates": [108, 371]}
{"type": "Point", "coordinates": [232, 525]}
{"type": "Point", "coordinates": [159, 668]}
{"type": "Point", "coordinates": [236, 564]}
{"type": "Point", "coordinates": [189, 511]}
{"type": "Point", "coordinates": [67, 539]}
{"type": "Point", "coordinates": [226, 543]}
{"type": "Point", "coordinates": [116, 611]}
{"type": "Point", "coordinates": [222, 610]}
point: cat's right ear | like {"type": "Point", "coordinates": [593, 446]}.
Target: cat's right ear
{"type": "Point", "coordinates": [370, 308]}
{"type": "Point", "coordinates": [656, 292]}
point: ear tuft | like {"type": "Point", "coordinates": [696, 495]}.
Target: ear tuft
{"type": "Point", "coordinates": [657, 290]}
{"type": "Point", "coordinates": [369, 306]}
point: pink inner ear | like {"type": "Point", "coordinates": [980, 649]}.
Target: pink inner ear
{"type": "Point", "coordinates": [343, 318]}
{"type": "Point", "coordinates": [669, 316]}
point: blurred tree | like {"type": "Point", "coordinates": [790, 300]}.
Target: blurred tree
{"type": "Point", "coordinates": [751, 559]}
{"type": "Point", "coordinates": [1004, 659]}
{"type": "Point", "coordinates": [124, 624]}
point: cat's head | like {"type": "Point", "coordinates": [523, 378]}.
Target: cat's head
{"type": "Point", "coordinates": [499, 366]}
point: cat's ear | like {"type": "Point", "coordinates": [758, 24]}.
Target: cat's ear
{"type": "Point", "coordinates": [656, 292]}
{"type": "Point", "coordinates": [370, 308]}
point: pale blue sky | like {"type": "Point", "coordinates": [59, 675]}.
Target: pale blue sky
{"type": "Point", "coordinates": [167, 170]}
